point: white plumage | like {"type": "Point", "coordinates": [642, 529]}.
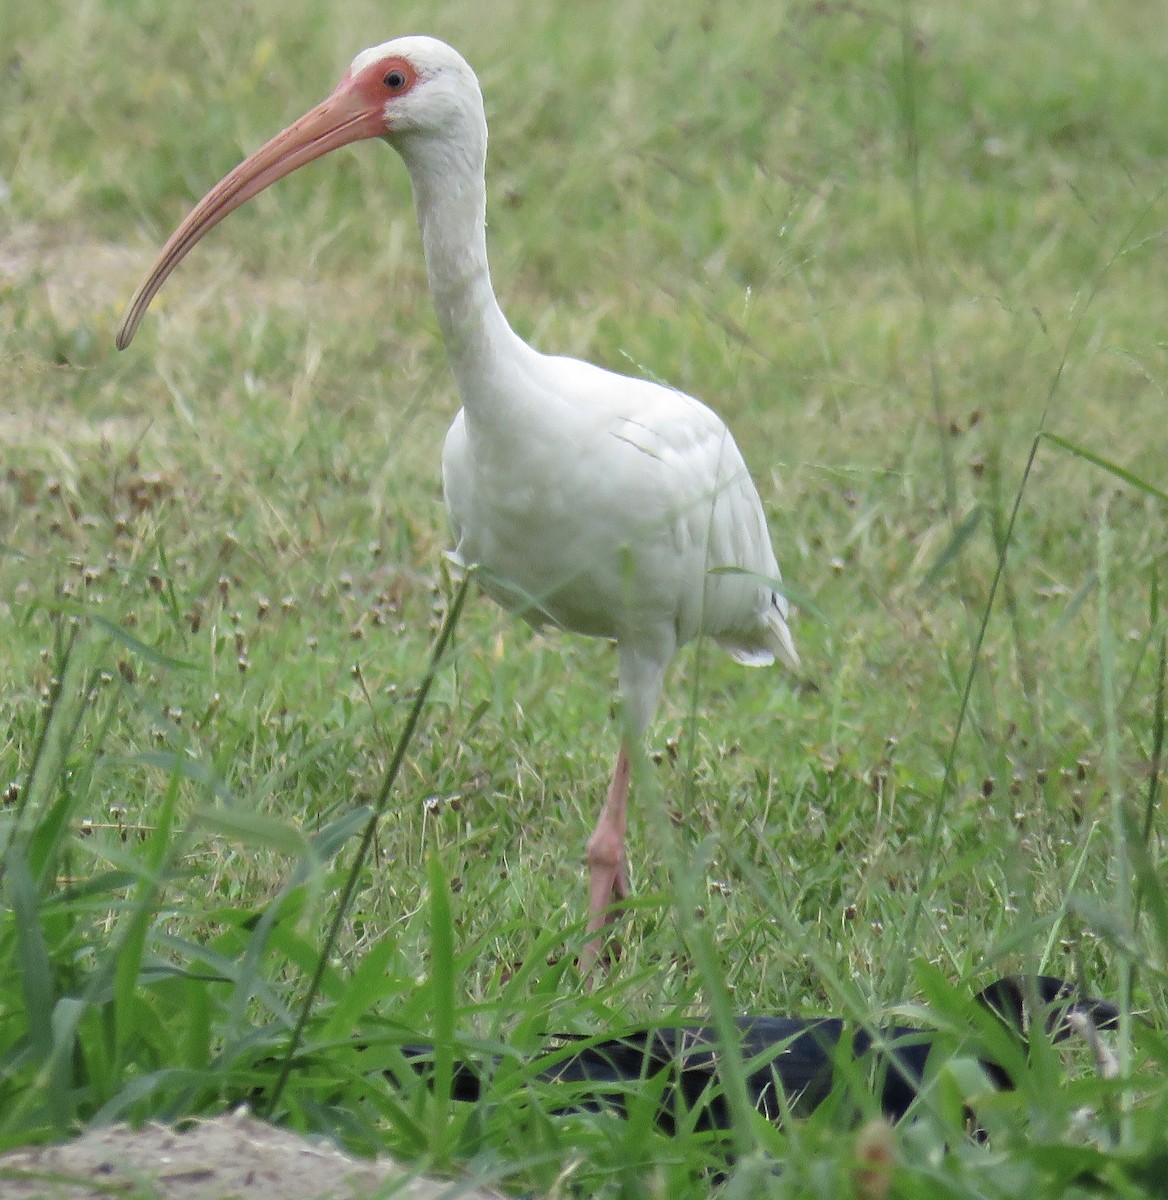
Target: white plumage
{"type": "Point", "coordinates": [606, 505]}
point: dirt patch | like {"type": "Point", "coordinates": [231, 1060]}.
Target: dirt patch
{"type": "Point", "coordinates": [79, 274]}
{"type": "Point", "coordinates": [26, 429]}
{"type": "Point", "coordinates": [234, 1157]}
{"type": "Point", "coordinates": [79, 278]}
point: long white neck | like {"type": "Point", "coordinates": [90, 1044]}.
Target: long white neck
{"type": "Point", "coordinates": [450, 194]}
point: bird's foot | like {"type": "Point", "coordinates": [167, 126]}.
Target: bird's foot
{"type": "Point", "coordinates": [608, 882]}
{"type": "Point", "coordinates": [598, 955]}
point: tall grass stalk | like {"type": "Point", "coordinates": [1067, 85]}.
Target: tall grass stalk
{"type": "Point", "coordinates": [1121, 827]}
{"type": "Point", "coordinates": [344, 900]}
{"type": "Point", "coordinates": [908, 95]}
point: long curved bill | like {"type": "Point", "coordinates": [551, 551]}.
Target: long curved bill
{"type": "Point", "coordinates": [348, 115]}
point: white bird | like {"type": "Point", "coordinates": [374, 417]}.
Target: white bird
{"type": "Point", "coordinates": [599, 503]}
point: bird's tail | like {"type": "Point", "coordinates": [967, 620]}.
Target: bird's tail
{"type": "Point", "coordinates": [776, 641]}
{"type": "Point", "coordinates": [781, 641]}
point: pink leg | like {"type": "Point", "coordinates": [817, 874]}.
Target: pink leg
{"type": "Point", "coordinates": [609, 880]}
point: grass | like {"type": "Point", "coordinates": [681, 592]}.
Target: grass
{"type": "Point", "coordinates": [912, 254]}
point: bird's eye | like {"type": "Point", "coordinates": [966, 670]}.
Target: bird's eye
{"type": "Point", "coordinates": [395, 80]}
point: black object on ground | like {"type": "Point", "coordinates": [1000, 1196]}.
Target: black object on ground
{"type": "Point", "coordinates": [791, 1062]}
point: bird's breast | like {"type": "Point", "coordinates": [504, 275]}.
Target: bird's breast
{"type": "Point", "coordinates": [555, 532]}
{"type": "Point", "coordinates": [606, 518]}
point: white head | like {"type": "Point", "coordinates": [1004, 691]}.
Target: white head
{"type": "Point", "coordinates": [422, 85]}
{"type": "Point", "coordinates": [415, 92]}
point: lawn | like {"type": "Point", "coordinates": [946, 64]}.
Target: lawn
{"type": "Point", "coordinates": [912, 253]}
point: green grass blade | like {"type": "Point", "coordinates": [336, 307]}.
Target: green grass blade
{"type": "Point", "coordinates": [442, 1004]}
{"type": "Point", "coordinates": [50, 1045]}
{"type": "Point", "coordinates": [256, 830]}
{"type": "Point", "coordinates": [32, 958]}
{"type": "Point", "coordinates": [951, 551]}
{"type": "Point", "coordinates": [1105, 464]}
{"type": "Point", "coordinates": [131, 944]}
{"type": "Point", "coordinates": [1121, 857]}
{"type": "Point", "coordinates": [144, 650]}
{"type": "Point", "coordinates": [787, 590]}
{"type": "Point", "coordinates": [50, 747]}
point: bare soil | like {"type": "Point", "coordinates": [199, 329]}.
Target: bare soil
{"type": "Point", "coordinates": [234, 1157]}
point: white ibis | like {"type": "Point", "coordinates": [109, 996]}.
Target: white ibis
{"type": "Point", "coordinates": [606, 505]}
